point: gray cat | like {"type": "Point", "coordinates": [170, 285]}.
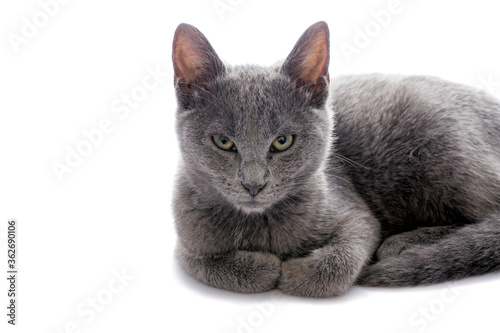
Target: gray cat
{"type": "Point", "coordinates": [290, 181]}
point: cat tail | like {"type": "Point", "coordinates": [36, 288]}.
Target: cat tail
{"type": "Point", "coordinates": [473, 249]}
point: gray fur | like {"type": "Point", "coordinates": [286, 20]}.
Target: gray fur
{"type": "Point", "coordinates": [406, 155]}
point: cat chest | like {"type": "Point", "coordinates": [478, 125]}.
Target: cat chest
{"type": "Point", "coordinates": [284, 237]}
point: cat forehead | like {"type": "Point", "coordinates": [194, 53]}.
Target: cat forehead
{"type": "Point", "coordinates": [254, 87]}
{"type": "Point", "coordinates": [253, 96]}
{"type": "Point", "coordinates": [253, 73]}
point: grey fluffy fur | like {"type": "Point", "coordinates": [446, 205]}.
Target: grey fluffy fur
{"type": "Point", "coordinates": [412, 163]}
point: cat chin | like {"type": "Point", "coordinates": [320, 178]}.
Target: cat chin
{"type": "Point", "coordinates": [252, 210]}
{"type": "Point", "coordinates": [253, 207]}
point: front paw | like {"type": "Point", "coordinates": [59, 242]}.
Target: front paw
{"type": "Point", "coordinates": [241, 271]}
{"type": "Point", "coordinates": [253, 272]}
{"type": "Point", "coordinates": [312, 277]}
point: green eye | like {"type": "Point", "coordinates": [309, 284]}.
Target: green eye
{"type": "Point", "coordinates": [223, 142]}
{"type": "Point", "coordinates": [282, 142]}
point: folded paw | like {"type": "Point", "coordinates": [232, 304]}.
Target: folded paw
{"type": "Point", "coordinates": [314, 277]}
{"type": "Point", "coordinates": [241, 271]}
{"type": "Point", "coordinates": [392, 246]}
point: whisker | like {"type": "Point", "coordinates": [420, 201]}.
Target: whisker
{"type": "Point", "coordinates": [351, 162]}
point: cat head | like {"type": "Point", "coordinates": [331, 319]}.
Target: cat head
{"type": "Point", "coordinates": [252, 136]}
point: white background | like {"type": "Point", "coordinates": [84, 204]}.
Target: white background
{"type": "Point", "coordinates": [112, 211]}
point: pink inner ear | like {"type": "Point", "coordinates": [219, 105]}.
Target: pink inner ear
{"type": "Point", "coordinates": [315, 62]}
{"type": "Point", "coordinates": [194, 59]}
{"type": "Point", "coordinates": [185, 62]}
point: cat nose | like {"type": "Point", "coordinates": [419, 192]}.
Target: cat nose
{"type": "Point", "coordinates": [254, 189]}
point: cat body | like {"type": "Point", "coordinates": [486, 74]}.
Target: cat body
{"type": "Point", "coordinates": [289, 180]}
{"type": "Point", "coordinates": [429, 149]}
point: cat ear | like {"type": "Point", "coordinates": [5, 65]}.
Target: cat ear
{"type": "Point", "coordinates": [308, 62]}
{"type": "Point", "coordinates": [195, 62]}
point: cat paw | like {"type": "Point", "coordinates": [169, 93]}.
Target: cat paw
{"type": "Point", "coordinates": [374, 276]}
{"type": "Point", "coordinates": [240, 271]}
{"type": "Point", "coordinates": [307, 277]}
{"type": "Point", "coordinates": [396, 244]}
{"type": "Point", "coordinates": [393, 272]}
{"type": "Point", "coordinates": [252, 272]}
{"type": "Point", "coordinates": [262, 273]}
{"type": "Point", "coordinates": [392, 247]}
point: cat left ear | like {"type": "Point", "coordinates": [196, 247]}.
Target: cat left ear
{"type": "Point", "coordinates": [308, 62]}
{"type": "Point", "coordinates": [195, 62]}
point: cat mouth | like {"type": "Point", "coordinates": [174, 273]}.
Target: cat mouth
{"type": "Point", "coordinates": [256, 203]}
{"type": "Point", "coordinates": [253, 201]}
{"type": "Point", "coordinates": [253, 206]}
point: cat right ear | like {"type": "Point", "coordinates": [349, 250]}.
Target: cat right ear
{"type": "Point", "coordinates": [196, 64]}
{"type": "Point", "coordinates": [307, 64]}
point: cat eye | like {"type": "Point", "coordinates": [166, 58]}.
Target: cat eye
{"type": "Point", "coordinates": [282, 142]}
{"type": "Point", "coordinates": [223, 142]}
